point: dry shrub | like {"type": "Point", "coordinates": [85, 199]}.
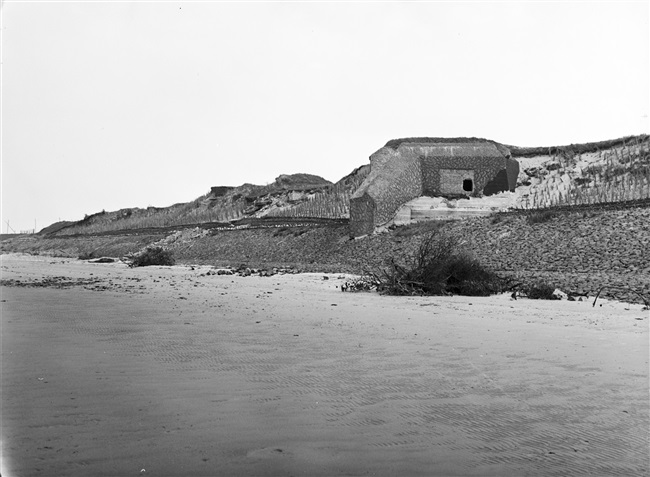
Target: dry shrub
{"type": "Point", "coordinates": [540, 291]}
{"type": "Point", "coordinates": [439, 267]}
{"type": "Point", "coordinates": [152, 256]}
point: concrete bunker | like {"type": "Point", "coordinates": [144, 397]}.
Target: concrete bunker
{"type": "Point", "coordinates": [405, 169]}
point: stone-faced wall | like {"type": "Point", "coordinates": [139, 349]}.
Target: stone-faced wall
{"type": "Point", "coordinates": [392, 181]}
{"type": "Point", "coordinates": [363, 209]}
{"type": "Point", "coordinates": [414, 169]}
{"type": "Point", "coordinates": [484, 159]}
{"type": "Point", "coordinates": [457, 182]}
{"type": "Point", "coordinates": [400, 183]}
{"type": "Point", "coordinates": [577, 251]}
{"type": "Point", "coordinates": [498, 183]}
{"type": "Point", "coordinates": [512, 170]}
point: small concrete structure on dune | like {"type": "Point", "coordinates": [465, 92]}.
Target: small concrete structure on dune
{"type": "Point", "coordinates": [406, 169]}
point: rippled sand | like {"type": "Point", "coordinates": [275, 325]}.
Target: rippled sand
{"type": "Point", "coordinates": [168, 371]}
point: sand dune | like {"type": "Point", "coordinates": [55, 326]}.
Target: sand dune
{"type": "Point", "coordinates": [168, 371]}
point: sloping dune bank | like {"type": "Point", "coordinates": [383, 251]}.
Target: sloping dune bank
{"type": "Point", "coordinates": [577, 251]}
{"type": "Point", "coordinates": [170, 371]}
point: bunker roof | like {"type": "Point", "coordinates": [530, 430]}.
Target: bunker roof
{"type": "Point", "coordinates": [484, 149]}
{"type": "Point", "coordinates": [450, 141]}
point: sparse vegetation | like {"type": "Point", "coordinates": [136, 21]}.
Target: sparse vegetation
{"type": "Point", "coordinates": [152, 256]}
{"type": "Point", "coordinates": [540, 291]}
{"type": "Point", "coordinates": [332, 203]}
{"type": "Point", "coordinates": [575, 149]}
{"type": "Point", "coordinates": [619, 172]}
{"type": "Point", "coordinates": [438, 267]}
{"type": "Point", "coordinates": [328, 204]}
{"type": "Point", "coordinates": [298, 195]}
{"type": "Point", "coordinates": [609, 171]}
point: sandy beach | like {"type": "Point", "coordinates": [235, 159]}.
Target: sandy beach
{"type": "Point", "coordinates": [171, 371]}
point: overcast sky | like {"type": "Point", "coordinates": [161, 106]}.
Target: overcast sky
{"type": "Point", "coordinates": [112, 105]}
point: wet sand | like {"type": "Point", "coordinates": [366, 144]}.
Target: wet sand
{"type": "Point", "coordinates": [167, 371]}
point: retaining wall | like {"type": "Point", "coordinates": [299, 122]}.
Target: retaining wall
{"type": "Point", "coordinates": [578, 252]}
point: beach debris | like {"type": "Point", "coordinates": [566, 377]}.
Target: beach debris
{"type": "Point", "coordinates": [103, 260]}
{"type": "Point", "coordinates": [363, 283]}
{"type": "Point", "coordinates": [245, 271]}
{"type": "Point", "coordinates": [50, 282]}
{"type": "Point", "coordinates": [645, 299]}
{"type": "Point", "coordinates": [560, 295]}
